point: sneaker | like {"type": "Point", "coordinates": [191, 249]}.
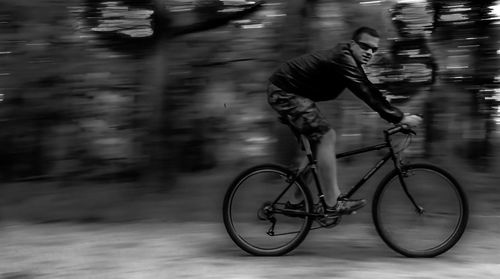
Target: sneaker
{"type": "Point", "coordinates": [345, 206]}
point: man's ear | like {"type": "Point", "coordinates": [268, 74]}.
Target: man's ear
{"type": "Point", "coordinates": [351, 43]}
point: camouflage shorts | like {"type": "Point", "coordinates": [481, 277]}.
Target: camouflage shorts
{"type": "Point", "coordinates": [304, 113]}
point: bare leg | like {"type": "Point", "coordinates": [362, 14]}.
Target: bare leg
{"type": "Point", "coordinates": [327, 167]}
{"type": "Point", "coordinates": [327, 172]}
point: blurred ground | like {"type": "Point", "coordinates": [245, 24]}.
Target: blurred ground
{"type": "Point", "coordinates": [203, 250]}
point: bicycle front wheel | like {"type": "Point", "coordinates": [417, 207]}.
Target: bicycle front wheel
{"type": "Point", "coordinates": [423, 213]}
{"type": "Point", "coordinates": [255, 213]}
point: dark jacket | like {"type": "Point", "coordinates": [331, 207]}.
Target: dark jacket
{"type": "Point", "coordinates": [323, 75]}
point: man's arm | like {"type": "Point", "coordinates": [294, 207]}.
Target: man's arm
{"type": "Point", "coordinates": [359, 84]}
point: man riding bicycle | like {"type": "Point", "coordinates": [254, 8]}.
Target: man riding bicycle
{"type": "Point", "coordinates": [321, 76]}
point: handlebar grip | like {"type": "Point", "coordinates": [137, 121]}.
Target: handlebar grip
{"type": "Point", "coordinates": [400, 128]}
{"type": "Point", "coordinates": [393, 130]}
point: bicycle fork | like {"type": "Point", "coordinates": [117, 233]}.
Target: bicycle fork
{"type": "Point", "coordinates": [401, 174]}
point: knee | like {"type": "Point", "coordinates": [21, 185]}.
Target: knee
{"type": "Point", "coordinates": [331, 134]}
{"type": "Point", "coordinates": [329, 137]}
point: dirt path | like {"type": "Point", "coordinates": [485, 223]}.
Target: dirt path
{"type": "Point", "coordinates": [203, 250]}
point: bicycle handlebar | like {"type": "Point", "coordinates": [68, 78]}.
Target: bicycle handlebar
{"type": "Point", "coordinates": [400, 128]}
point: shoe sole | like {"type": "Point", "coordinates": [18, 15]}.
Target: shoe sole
{"type": "Point", "coordinates": [351, 211]}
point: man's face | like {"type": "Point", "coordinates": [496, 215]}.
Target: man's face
{"type": "Point", "coordinates": [364, 48]}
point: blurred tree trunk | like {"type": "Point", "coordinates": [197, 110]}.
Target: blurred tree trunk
{"type": "Point", "coordinates": [296, 32]}
{"type": "Point", "coordinates": [479, 148]}
{"type": "Point", "coordinates": [155, 145]}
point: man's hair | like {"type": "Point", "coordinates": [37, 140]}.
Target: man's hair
{"type": "Point", "coordinates": [367, 30]}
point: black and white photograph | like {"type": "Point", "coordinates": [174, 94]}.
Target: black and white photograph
{"type": "Point", "coordinates": [249, 139]}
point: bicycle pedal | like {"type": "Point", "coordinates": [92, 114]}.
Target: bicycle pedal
{"type": "Point", "coordinates": [329, 222]}
{"type": "Point", "coordinates": [331, 216]}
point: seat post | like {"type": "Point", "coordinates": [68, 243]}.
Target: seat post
{"type": "Point", "coordinates": [306, 144]}
{"type": "Point", "coordinates": [302, 139]}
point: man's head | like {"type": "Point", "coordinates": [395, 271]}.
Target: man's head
{"type": "Point", "coordinates": [364, 44]}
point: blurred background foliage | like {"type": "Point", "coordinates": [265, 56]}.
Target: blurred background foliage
{"type": "Point", "coordinates": [146, 90]}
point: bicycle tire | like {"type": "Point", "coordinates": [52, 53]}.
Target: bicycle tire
{"type": "Point", "coordinates": [270, 180]}
{"type": "Point", "coordinates": [416, 234]}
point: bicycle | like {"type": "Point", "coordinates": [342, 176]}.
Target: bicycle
{"type": "Point", "coordinates": [419, 210]}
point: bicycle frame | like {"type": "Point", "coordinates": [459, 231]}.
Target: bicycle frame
{"type": "Point", "coordinates": [373, 170]}
{"type": "Point", "coordinates": [312, 165]}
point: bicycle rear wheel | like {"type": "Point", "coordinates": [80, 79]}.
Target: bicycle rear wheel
{"type": "Point", "coordinates": [252, 205]}
{"type": "Point", "coordinates": [428, 229]}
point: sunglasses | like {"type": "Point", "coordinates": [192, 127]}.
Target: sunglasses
{"type": "Point", "coordinates": [365, 46]}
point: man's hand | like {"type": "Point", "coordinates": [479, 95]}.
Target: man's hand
{"type": "Point", "coordinates": [411, 120]}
